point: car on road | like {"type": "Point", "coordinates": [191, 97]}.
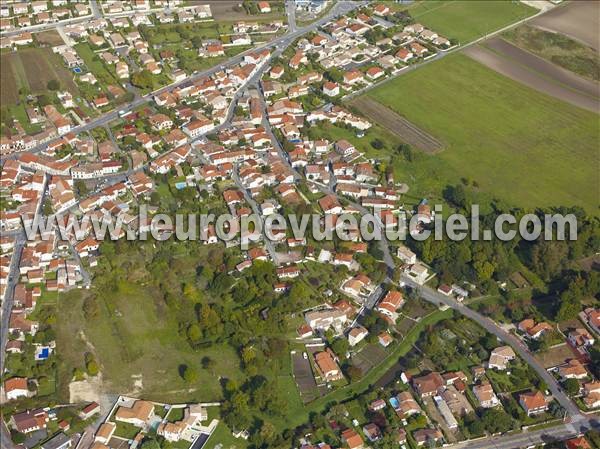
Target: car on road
{"type": "Point", "coordinates": [304, 355]}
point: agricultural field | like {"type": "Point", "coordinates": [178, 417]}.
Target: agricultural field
{"type": "Point", "coordinates": [579, 20]}
{"type": "Point", "coordinates": [515, 143]}
{"type": "Point", "coordinates": [537, 73]}
{"type": "Point", "coordinates": [28, 71]}
{"type": "Point", "coordinates": [467, 20]}
{"type": "Point", "coordinates": [558, 49]}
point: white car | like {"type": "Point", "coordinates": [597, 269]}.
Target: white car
{"type": "Point", "coordinates": [305, 355]}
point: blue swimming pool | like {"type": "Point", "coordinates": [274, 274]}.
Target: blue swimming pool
{"type": "Point", "coordinates": [394, 403]}
{"type": "Point", "coordinates": [42, 353]}
{"type": "Point", "coordinates": [77, 70]}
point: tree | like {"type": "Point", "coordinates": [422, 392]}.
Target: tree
{"type": "Point", "coordinates": [571, 386]}
{"type": "Point", "coordinates": [406, 151]}
{"type": "Point", "coordinates": [53, 85]}
{"type": "Point", "coordinates": [92, 368]}
{"type": "Point", "coordinates": [354, 373]}
{"type": "Point", "coordinates": [142, 79]}
{"type": "Point", "coordinates": [190, 374]}
{"type": "Point", "coordinates": [456, 195]}
{"type": "Point", "coordinates": [150, 443]}
{"type": "Point", "coordinates": [78, 374]}
{"type": "Point", "coordinates": [17, 437]}
{"type": "Point", "coordinates": [197, 41]}
{"type": "Point", "coordinates": [208, 363]}
{"type": "Point", "coordinates": [340, 347]}
{"type": "Point", "coordinates": [474, 424]}
{"type": "Point", "coordinates": [194, 333]}
{"type": "Point", "coordinates": [377, 143]}
{"type": "Point", "coordinates": [496, 420]}
{"type": "Point", "coordinates": [43, 100]}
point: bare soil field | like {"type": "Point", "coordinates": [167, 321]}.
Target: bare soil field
{"type": "Point", "coordinates": [369, 357]}
{"type": "Point", "coordinates": [32, 68]}
{"type": "Point", "coordinates": [226, 10]}
{"type": "Point", "coordinates": [51, 38]}
{"type": "Point", "coordinates": [541, 82]}
{"type": "Point", "coordinates": [397, 124]}
{"type": "Point", "coordinates": [580, 20]}
{"type": "Point", "coordinates": [304, 378]}
{"type": "Point", "coordinates": [544, 67]}
{"type": "Point", "coordinates": [9, 92]}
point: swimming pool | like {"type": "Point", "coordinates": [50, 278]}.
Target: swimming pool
{"type": "Point", "coordinates": [394, 403]}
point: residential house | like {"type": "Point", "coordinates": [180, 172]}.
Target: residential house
{"type": "Point", "coordinates": [390, 304]}
{"type": "Point", "coordinates": [352, 439]}
{"type": "Point", "coordinates": [500, 357]}
{"type": "Point", "coordinates": [327, 365]}
{"type": "Point", "coordinates": [485, 395]}
{"type": "Point", "coordinates": [428, 384]}
{"type": "Point", "coordinates": [533, 403]}
{"type": "Point", "coordinates": [16, 387]}
{"type": "Point", "coordinates": [138, 414]}
{"type": "Point", "coordinates": [356, 335]}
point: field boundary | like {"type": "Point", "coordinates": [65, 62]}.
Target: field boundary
{"type": "Point", "coordinates": [397, 125]}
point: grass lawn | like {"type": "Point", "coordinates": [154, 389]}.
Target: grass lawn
{"type": "Point", "coordinates": [175, 414]}
{"type": "Point", "coordinates": [95, 65]}
{"type": "Point", "coordinates": [222, 436]}
{"type": "Point", "coordinates": [126, 430]}
{"type": "Point", "coordinates": [519, 145]}
{"type": "Point", "coordinates": [467, 20]}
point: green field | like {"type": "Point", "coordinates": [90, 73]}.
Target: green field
{"type": "Point", "coordinates": [519, 145]}
{"type": "Point", "coordinates": [466, 20]}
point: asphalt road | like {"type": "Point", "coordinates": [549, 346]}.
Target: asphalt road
{"type": "Point", "coordinates": [526, 438]}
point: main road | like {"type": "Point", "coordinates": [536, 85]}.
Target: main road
{"type": "Point", "coordinates": [438, 299]}
{"type": "Point", "coordinates": [531, 438]}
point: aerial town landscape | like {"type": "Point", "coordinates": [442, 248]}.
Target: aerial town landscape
{"type": "Point", "coordinates": [407, 112]}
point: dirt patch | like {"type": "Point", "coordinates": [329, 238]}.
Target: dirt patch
{"type": "Point", "coordinates": [88, 390]}
{"type": "Point", "coordinates": [555, 356]}
{"type": "Point", "coordinates": [590, 263]}
{"type": "Point", "coordinates": [524, 75]}
{"type": "Point", "coordinates": [51, 38]}
{"type": "Point", "coordinates": [397, 124]}
{"type": "Point", "coordinates": [579, 20]}
{"type": "Point", "coordinates": [226, 10]}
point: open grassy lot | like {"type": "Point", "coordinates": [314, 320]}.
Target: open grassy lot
{"type": "Point", "coordinates": [519, 145]}
{"type": "Point", "coordinates": [136, 341]}
{"type": "Point", "coordinates": [30, 69]}
{"type": "Point", "coordinates": [95, 64]}
{"type": "Point", "coordinates": [467, 20]}
{"type": "Point", "coordinates": [557, 48]}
